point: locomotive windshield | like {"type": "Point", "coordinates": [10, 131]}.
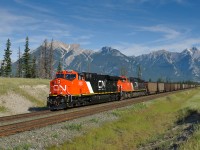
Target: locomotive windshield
{"type": "Point", "coordinates": [60, 75]}
{"type": "Point", "coordinates": [70, 76]}
{"type": "Point", "coordinates": [123, 79]}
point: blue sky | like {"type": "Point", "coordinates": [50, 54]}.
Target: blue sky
{"type": "Point", "coordinates": [133, 26]}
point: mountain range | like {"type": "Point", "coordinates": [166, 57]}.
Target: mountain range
{"type": "Point", "coordinates": [161, 64]}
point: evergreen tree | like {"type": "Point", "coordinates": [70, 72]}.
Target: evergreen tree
{"type": "Point", "coordinates": [123, 71]}
{"type": "Point", "coordinates": [7, 60]}
{"type": "Point", "coordinates": [139, 72]}
{"type": "Point", "coordinates": [2, 69]}
{"type": "Point", "coordinates": [160, 80]}
{"type": "Point", "coordinates": [19, 65]}
{"type": "Point", "coordinates": [33, 68]}
{"type": "Point", "coordinates": [59, 68]}
{"type": "Point", "coordinates": [26, 60]}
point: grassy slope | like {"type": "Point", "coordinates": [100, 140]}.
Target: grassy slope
{"type": "Point", "coordinates": [194, 142]}
{"type": "Point", "coordinates": [139, 124]}
{"type": "Point", "coordinates": [13, 85]}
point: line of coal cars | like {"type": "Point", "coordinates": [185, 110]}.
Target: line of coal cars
{"type": "Point", "coordinates": [159, 87]}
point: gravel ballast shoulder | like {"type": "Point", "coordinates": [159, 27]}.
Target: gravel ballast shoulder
{"type": "Point", "coordinates": [56, 134]}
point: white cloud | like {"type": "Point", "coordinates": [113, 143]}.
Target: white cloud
{"type": "Point", "coordinates": [130, 49]}
{"type": "Point", "coordinates": [169, 33]}
{"type": "Point", "coordinates": [31, 6]}
{"type": "Point", "coordinates": [173, 39]}
{"type": "Point", "coordinates": [11, 23]}
{"type": "Point", "coordinates": [181, 45]}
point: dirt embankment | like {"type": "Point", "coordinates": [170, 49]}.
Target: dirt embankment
{"type": "Point", "coordinates": [29, 97]}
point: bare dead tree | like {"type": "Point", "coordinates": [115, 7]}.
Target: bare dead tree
{"type": "Point", "coordinates": [41, 71]}
{"type": "Point", "coordinates": [51, 60]}
{"type": "Point", "coordinates": [45, 59]}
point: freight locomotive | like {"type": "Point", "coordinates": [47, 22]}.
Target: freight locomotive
{"type": "Point", "coordinates": [71, 89]}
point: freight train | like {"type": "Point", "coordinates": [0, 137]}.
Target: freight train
{"type": "Point", "coordinates": [71, 89]}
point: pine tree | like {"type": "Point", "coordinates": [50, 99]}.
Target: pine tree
{"type": "Point", "coordinates": [26, 60]}
{"type": "Point", "coordinates": [59, 68]}
{"type": "Point", "coordinates": [139, 72]}
{"type": "Point", "coordinates": [123, 71]}
{"type": "Point", "coordinates": [7, 59]}
{"type": "Point", "coordinates": [19, 65]}
{"type": "Point", "coordinates": [2, 69]}
{"type": "Point", "coordinates": [33, 68]}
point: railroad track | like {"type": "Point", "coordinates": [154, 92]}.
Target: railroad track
{"type": "Point", "coordinates": [13, 128]}
{"type": "Point", "coordinates": [26, 115]}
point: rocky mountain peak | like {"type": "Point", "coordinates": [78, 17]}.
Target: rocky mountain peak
{"type": "Point", "coordinates": [57, 45]}
{"type": "Point", "coordinates": [194, 49]}
{"type": "Point", "coordinates": [110, 51]}
{"type": "Point", "coordinates": [159, 52]}
{"type": "Point", "coordinates": [67, 47]}
{"type": "Point", "coordinates": [193, 52]}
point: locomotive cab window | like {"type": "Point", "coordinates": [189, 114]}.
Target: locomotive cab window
{"type": "Point", "coordinates": [135, 84]}
{"type": "Point", "coordinates": [123, 79]}
{"type": "Point", "coordinates": [70, 76]}
{"type": "Point", "coordinates": [59, 75]}
{"type": "Point", "coordinates": [80, 77]}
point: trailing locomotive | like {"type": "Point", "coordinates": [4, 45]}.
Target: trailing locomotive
{"type": "Point", "coordinates": [131, 87]}
{"type": "Point", "coordinates": [70, 89]}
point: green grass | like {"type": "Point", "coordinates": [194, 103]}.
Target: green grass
{"type": "Point", "coordinates": [3, 109]}
{"type": "Point", "coordinates": [55, 135]}
{"type": "Point", "coordinates": [73, 126]}
{"type": "Point", "coordinates": [94, 120]}
{"type": "Point", "coordinates": [13, 85]}
{"type": "Point", "coordinates": [23, 147]}
{"type": "Point", "coordinates": [194, 142]}
{"type": "Point", "coordinates": [137, 125]}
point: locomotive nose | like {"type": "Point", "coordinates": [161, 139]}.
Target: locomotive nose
{"type": "Point", "coordinates": [56, 82]}
{"type": "Point", "coordinates": [58, 87]}
{"type": "Point", "coordinates": [55, 87]}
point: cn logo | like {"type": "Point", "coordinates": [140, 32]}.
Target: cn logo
{"type": "Point", "coordinates": [101, 85]}
{"type": "Point", "coordinates": [56, 87]}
